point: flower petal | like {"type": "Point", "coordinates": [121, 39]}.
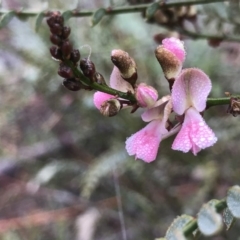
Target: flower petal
{"type": "Point", "coordinates": [195, 134]}
{"type": "Point", "coordinates": [99, 98]}
{"type": "Point", "coordinates": [117, 82]}
{"type": "Point", "coordinates": [144, 144]}
{"type": "Point", "coordinates": [175, 46]}
{"type": "Point", "coordinates": [191, 88]}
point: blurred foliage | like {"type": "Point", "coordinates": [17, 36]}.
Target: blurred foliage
{"type": "Point", "coordinates": [56, 148]}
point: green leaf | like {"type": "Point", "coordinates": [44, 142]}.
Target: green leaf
{"type": "Point", "coordinates": [6, 18]}
{"type": "Point", "coordinates": [175, 231]}
{"type": "Point", "coordinates": [151, 10]}
{"type": "Point", "coordinates": [209, 221]}
{"type": "Point", "coordinates": [233, 201]}
{"type": "Point", "coordinates": [39, 19]}
{"type": "Point", "coordinates": [67, 15]}
{"type": "Point", "coordinates": [97, 16]}
{"type": "Point", "coordinates": [228, 218]}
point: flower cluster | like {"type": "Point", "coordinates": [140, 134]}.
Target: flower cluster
{"type": "Point", "coordinates": [189, 90]}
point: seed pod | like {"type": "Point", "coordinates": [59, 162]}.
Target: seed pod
{"type": "Point", "coordinates": [56, 29]}
{"type": "Point", "coordinates": [66, 32]}
{"type": "Point", "coordinates": [65, 71]}
{"type": "Point", "coordinates": [72, 84]}
{"type": "Point", "coordinates": [110, 107]}
{"type": "Point", "coordinates": [55, 39]}
{"type": "Point", "coordinates": [88, 68]}
{"type": "Point", "coordinates": [66, 48]}
{"type": "Point", "coordinates": [75, 55]}
{"type": "Point", "coordinates": [56, 52]}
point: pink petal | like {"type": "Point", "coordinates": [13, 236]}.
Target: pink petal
{"type": "Point", "coordinates": [144, 144]}
{"type": "Point", "coordinates": [99, 98]}
{"type": "Point", "coordinates": [117, 82]}
{"type": "Point", "coordinates": [195, 134]}
{"type": "Point", "coordinates": [176, 47]}
{"type": "Point", "coordinates": [190, 89]}
{"type": "Point", "coordinates": [146, 95]}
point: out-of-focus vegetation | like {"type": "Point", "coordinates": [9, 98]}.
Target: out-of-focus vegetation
{"type": "Point", "coordinates": [61, 161]}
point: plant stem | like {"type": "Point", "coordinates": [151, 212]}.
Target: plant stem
{"type": "Point", "coordinates": [117, 10]}
{"type": "Point", "coordinates": [218, 101]}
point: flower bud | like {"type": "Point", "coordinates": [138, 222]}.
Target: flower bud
{"type": "Point", "coordinates": [66, 32]}
{"type": "Point", "coordinates": [98, 78]}
{"type": "Point", "coordinates": [56, 52]}
{"type": "Point", "coordinates": [72, 84]}
{"type": "Point", "coordinates": [234, 106]}
{"type": "Point", "coordinates": [146, 95]}
{"type": "Point", "coordinates": [87, 67]}
{"type": "Point", "coordinates": [66, 49]}
{"type": "Point", "coordinates": [65, 71]}
{"type": "Point", "coordinates": [51, 21]}
{"type": "Point", "coordinates": [59, 18]}
{"type": "Point", "coordinates": [75, 55]}
{"type": "Point", "coordinates": [55, 39]}
{"type": "Point", "coordinates": [125, 64]}
{"type": "Point", "coordinates": [56, 29]}
{"type": "Point", "coordinates": [110, 107]}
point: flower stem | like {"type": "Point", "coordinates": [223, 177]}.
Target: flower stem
{"type": "Point", "coordinates": [117, 10]}
{"type": "Point", "coordinates": [218, 101]}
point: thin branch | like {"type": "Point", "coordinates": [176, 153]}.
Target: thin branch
{"type": "Point", "coordinates": [114, 11]}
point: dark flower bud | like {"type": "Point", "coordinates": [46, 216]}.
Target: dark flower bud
{"type": "Point", "coordinates": [59, 19]}
{"type": "Point", "coordinates": [66, 32]}
{"type": "Point", "coordinates": [56, 52]}
{"type": "Point", "coordinates": [98, 78]}
{"type": "Point", "coordinates": [65, 71]}
{"type": "Point", "coordinates": [87, 67]}
{"type": "Point", "coordinates": [56, 29]}
{"type": "Point", "coordinates": [55, 39]}
{"type": "Point", "coordinates": [66, 48]}
{"type": "Point", "coordinates": [72, 84]}
{"type": "Point", "coordinates": [75, 55]}
{"type": "Point", "coordinates": [51, 21]}
{"type": "Point", "coordinates": [234, 106]}
{"type": "Point", "coordinates": [110, 107]}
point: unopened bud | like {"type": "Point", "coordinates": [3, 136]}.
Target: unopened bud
{"type": "Point", "coordinates": [87, 67]}
{"type": "Point", "coordinates": [234, 106]}
{"type": "Point", "coordinates": [98, 78]}
{"type": "Point", "coordinates": [110, 107]}
{"type": "Point", "coordinates": [75, 55]}
{"type": "Point", "coordinates": [55, 39]}
{"type": "Point", "coordinates": [66, 32]}
{"type": "Point", "coordinates": [125, 64]}
{"type": "Point", "coordinates": [146, 95]}
{"type": "Point", "coordinates": [65, 71]}
{"type": "Point", "coordinates": [66, 49]}
{"type": "Point", "coordinates": [72, 84]}
{"type": "Point", "coordinates": [56, 52]}
{"type": "Point", "coordinates": [56, 29]}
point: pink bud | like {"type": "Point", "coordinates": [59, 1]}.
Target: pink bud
{"type": "Point", "coordinates": [99, 98]}
{"type": "Point", "coordinates": [146, 95]}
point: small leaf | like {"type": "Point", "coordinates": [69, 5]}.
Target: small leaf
{"type": "Point", "coordinates": [175, 231]}
{"type": "Point", "coordinates": [67, 15]}
{"type": "Point", "coordinates": [151, 10]}
{"type": "Point", "coordinates": [233, 201]}
{"type": "Point", "coordinates": [228, 218]}
{"type": "Point", "coordinates": [209, 221]}
{"type": "Point", "coordinates": [39, 19]}
{"type": "Point", "coordinates": [6, 18]}
{"type": "Point", "coordinates": [97, 16]}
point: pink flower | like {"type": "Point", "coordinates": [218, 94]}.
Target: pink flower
{"type": "Point", "coordinates": [189, 96]}
{"type": "Point", "coordinates": [116, 82]}
{"type": "Point", "coordinates": [146, 95]}
{"type": "Point", "coordinates": [144, 144]}
{"type": "Point", "coordinates": [171, 55]}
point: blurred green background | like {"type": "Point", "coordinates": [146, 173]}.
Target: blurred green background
{"type": "Point", "coordinates": [62, 162]}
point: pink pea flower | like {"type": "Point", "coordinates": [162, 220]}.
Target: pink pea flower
{"type": "Point", "coordinates": [189, 97]}
{"type": "Point", "coordinates": [116, 82]}
{"type": "Point", "coordinates": [144, 144]}
{"type": "Point", "coordinates": [171, 55]}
